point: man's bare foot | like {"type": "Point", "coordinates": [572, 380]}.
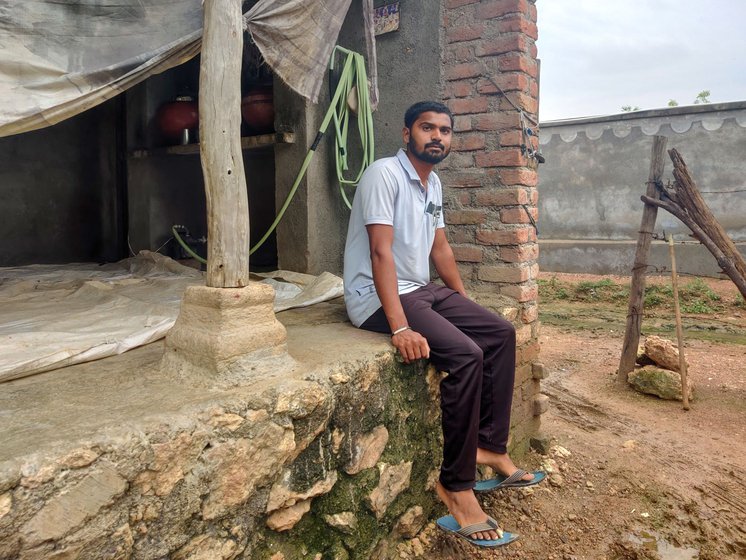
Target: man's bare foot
{"type": "Point", "coordinates": [465, 508]}
{"type": "Point", "coordinates": [500, 462]}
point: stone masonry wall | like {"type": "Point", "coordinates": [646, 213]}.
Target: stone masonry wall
{"type": "Point", "coordinates": [490, 185]}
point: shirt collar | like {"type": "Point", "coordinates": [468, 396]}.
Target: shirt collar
{"type": "Point", "coordinates": [401, 155]}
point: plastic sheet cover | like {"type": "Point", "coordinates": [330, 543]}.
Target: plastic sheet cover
{"type": "Point", "coordinates": [59, 58]}
{"type": "Point", "coordinates": [52, 316]}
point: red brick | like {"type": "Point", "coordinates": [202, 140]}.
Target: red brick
{"type": "Point", "coordinates": [519, 253]}
{"type": "Point", "coordinates": [527, 177]}
{"type": "Point", "coordinates": [533, 52]}
{"type": "Point", "coordinates": [467, 142]}
{"type": "Point", "coordinates": [467, 253]}
{"type": "Point", "coordinates": [533, 197]}
{"type": "Point", "coordinates": [502, 197]}
{"type": "Point", "coordinates": [465, 217]}
{"type": "Point", "coordinates": [468, 105]}
{"type": "Point", "coordinates": [464, 33]}
{"type": "Point", "coordinates": [502, 44]}
{"type": "Point", "coordinates": [530, 314]}
{"type": "Point", "coordinates": [532, 12]}
{"type": "Point", "coordinates": [501, 158]}
{"type": "Point", "coordinates": [518, 24]}
{"type": "Point", "coordinates": [461, 235]}
{"type": "Point", "coordinates": [461, 71]}
{"type": "Point", "coordinates": [516, 62]}
{"type": "Point", "coordinates": [498, 121]}
{"type": "Point", "coordinates": [460, 52]}
{"type": "Point", "coordinates": [502, 274]}
{"type": "Point", "coordinates": [528, 352]}
{"type": "Point", "coordinates": [506, 82]}
{"type": "Point", "coordinates": [461, 124]}
{"type": "Point", "coordinates": [511, 138]}
{"type": "Point", "coordinates": [521, 293]}
{"type": "Point", "coordinates": [458, 3]}
{"type": "Point", "coordinates": [526, 102]}
{"type": "Point", "coordinates": [503, 236]}
{"type": "Point", "coordinates": [533, 88]}
{"type": "Point", "coordinates": [466, 178]}
{"type": "Point", "coordinates": [460, 88]}
{"type": "Point", "coordinates": [498, 8]}
{"type": "Point", "coordinates": [518, 215]}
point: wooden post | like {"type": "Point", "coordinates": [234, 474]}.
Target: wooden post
{"type": "Point", "coordinates": [679, 330]}
{"type": "Point", "coordinates": [637, 287]}
{"type": "Point", "coordinates": [220, 145]}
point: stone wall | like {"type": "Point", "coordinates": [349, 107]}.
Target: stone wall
{"type": "Point", "coordinates": [490, 185]}
{"type": "Point", "coordinates": [338, 461]}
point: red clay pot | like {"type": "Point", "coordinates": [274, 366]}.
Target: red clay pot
{"type": "Point", "coordinates": [173, 117]}
{"type": "Point", "coordinates": [258, 109]}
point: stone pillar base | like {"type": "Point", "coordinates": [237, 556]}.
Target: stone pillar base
{"type": "Point", "coordinates": [225, 332]}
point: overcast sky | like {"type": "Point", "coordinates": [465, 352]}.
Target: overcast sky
{"type": "Point", "coordinates": [599, 55]}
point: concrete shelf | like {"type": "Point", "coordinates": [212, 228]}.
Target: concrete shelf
{"type": "Point", "coordinates": [247, 143]}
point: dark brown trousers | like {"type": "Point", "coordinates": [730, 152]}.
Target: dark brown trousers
{"type": "Point", "coordinates": [477, 349]}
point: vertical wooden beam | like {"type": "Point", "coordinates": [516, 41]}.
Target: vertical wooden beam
{"type": "Point", "coordinates": [220, 145]}
{"type": "Point", "coordinates": [679, 328]}
{"type": "Point", "coordinates": [637, 287]}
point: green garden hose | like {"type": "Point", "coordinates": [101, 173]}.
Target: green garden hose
{"type": "Point", "coordinates": [352, 78]}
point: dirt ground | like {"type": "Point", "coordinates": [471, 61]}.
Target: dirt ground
{"type": "Point", "coordinates": [635, 477]}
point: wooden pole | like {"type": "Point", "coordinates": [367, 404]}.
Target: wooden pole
{"type": "Point", "coordinates": [679, 330]}
{"type": "Point", "coordinates": [637, 287]}
{"type": "Point", "coordinates": [220, 145]}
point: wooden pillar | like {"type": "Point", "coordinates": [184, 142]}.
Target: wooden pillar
{"type": "Point", "coordinates": [220, 145]}
{"type": "Point", "coordinates": [640, 269]}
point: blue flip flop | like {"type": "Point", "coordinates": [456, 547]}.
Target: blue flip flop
{"type": "Point", "coordinates": [512, 481]}
{"type": "Point", "coordinates": [450, 525]}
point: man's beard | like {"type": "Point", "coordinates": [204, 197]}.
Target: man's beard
{"type": "Point", "coordinates": [424, 155]}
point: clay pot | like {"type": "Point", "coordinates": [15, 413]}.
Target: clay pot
{"type": "Point", "coordinates": [175, 116]}
{"type": "Point", "coordinates": [258, 109]}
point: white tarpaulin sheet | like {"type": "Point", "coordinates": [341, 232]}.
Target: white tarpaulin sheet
{"type": "Point", "coordinates": [59, 58]}
{"type": "Point", "coordinates": [53, 316]}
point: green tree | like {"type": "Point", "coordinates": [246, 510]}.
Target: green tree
{"type": "Point", "coordinates": [702, 97]}
{"type": "Point", "coordinates": [673, 103]}
{"type": "Point", "coordinates": [630, 108]}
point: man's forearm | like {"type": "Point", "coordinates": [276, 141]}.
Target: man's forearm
{"type": "Point", "coordinates": [447, 269]}
{"type": "Point", "coordinates": [387, 288]}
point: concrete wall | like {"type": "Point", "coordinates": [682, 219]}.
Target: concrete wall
{"type": "Point", "coordinates": [312, 235]}
{"type": "Point", "coordinates": [59, 192]}
{"type": "Point", "coordinates": [597, 169]}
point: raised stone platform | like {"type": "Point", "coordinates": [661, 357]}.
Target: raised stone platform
{"type": "Point", "coordinates": [331, 453]}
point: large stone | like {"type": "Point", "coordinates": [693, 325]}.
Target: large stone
{"type": "Point", "coordinates": [224, 331]}
{"type": "Point", "coordinates": [205, 547]}
{"type": "Point", "coordinates": [663, 352]}
{"type": "Point", "coordinates": [238, 466]}
{"type": "Point", "coordinates": [367, 449]}
{"type": "Point", "coordinates": [6, 503]}
{"type": "Point", "coordinates": [411, 522]}
{"type": "Point", "coordinates": [662, 383]}
{"type": "Point", "coordinates": [170, 461]}
{"type": "Point", "coordinates": [394, 479]}
{"type": "Point", "coordinates": [345, 521]}
{"type": "Point", "coordinates": [282, 496]}
{"type": "Point", "coordinates": [74, 506]}
{"type": "Point", "coordinates": [285, 519]}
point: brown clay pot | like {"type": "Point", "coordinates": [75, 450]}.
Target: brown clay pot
{"type": "Point", "coordinates": [258, 109]}
{"type": "Point", "coordinates": [175, 116]}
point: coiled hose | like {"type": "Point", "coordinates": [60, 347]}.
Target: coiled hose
{"type": "Point", "coordinates": [353, 84]}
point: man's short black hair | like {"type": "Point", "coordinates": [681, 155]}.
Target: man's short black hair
{"type": "Point", "coordinates": [423, 107]}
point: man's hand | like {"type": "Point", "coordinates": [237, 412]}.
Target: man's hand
{"type": "Point", "coordinates": [411, 345]}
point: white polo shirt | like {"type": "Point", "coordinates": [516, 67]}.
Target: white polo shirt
{"type": "Point", "coordinates": [390, 192]}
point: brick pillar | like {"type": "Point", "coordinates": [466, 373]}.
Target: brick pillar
{"type": "Point", "coordinates": [490, 186]}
